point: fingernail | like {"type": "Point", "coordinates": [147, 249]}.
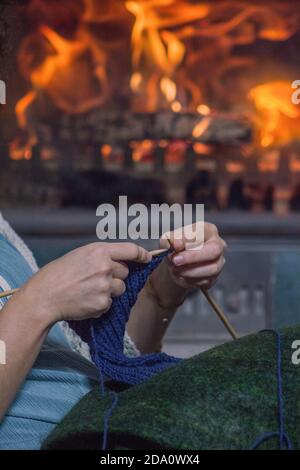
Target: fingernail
{"type": "Point", "coordinates": [178, 260]}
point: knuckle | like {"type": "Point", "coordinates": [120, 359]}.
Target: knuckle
{"type": "Point", "coordinates": [95, 248]}
{"type": "Point", "coordinates": [132, 249]}
{"type": "Point", "coordinates": [104, 302]}
{"type": "Point", "coordinates": [105, 285]}
{"type": "Point", "coordinates": [213, 228]}
{"type": "Point", "coordinates": [96, 252]}
{"type": "Point", "coordinates": [135, 250]}
{"type": "Point", "coordinates": [125, 272]}
{"type": "Point", "coordinates": [215, 269]}
{"type": "Point", "coordinates": [105, 268]}
{"type": "Point", "coordinates": [122, 287]}
{"type": "Point", "coordinates": [216, 250]}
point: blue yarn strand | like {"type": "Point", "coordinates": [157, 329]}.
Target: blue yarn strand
{"type": "Point", "coordinates": [284, 439]}
{"type": "Point", "coordinates": [106, 419]}
{"type": "Point", "coordinates": [103, 392]}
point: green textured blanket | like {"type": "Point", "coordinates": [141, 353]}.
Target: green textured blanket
{"type": "Point", "coordinates": [223, 398]}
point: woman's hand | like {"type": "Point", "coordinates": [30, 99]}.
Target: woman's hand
{"type": "Point", "coordinates": [77, 286]}
{"type": "Point", "coordinates": [81, 284]}
{"type": "Point", "coordinates": [186, 269]}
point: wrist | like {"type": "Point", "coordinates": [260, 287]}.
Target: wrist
{"type": "Point", "coordinates": [163, 288]}
{"type": "Point", "coordinates": [35, 306]}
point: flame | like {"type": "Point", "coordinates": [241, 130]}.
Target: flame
{"type": "Point", "coordinates": [179, 52]}
{"type": "Point", "coordinates": [136, 81]}
{"type": "Point", "coordinates": [65, 53]}
{"type": "Point", "coordinates": [71, 83]}
{"type": "Point", "coordinates": [22, 106]}
{"type": "Point", "coordinates": [269, 161]}
{"type": "Point", "coordinates": [142, 151]}
{"type": "Point", "coordinates": [235, 167]}
{"type": "Point", "coordinates": [176, 106]}
{"type": "Point", "coordinates": [295, 163]}
{"type": "Point", "coordinates": [168, 87]}
{"type": "Point", "coordinates": [201, 127]}
{"type": "Point", "coordinates": [278, 119]}
{"type": "Point", "coordinates": [203, 109]}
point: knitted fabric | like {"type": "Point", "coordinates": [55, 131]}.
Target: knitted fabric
{"type": "Point", "coordinates": [105, 335]}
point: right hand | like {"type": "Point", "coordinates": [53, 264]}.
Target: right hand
{"type": "Point", "coordinates": [81, 284]}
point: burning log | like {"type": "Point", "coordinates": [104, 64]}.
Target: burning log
{"type": "Point", "coordinates": [99, 126]}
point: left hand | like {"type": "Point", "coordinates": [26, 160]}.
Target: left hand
{"type": "Point", "coordinates": [188, 269]}
{"type": "Point", "coordinates": [197, 268]}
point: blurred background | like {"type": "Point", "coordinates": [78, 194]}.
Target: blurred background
{"type": "Point", "coordinates": [162, 101]}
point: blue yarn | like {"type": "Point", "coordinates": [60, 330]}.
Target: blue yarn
{"type": "Point", "coordinates": [107, 340]}
{"type": "Point", "coordinates": [106, 419]}
{"type": "Point", "coordinates": [284, 440]}
{"type": "Point", "coordinates": [105, 337]}
{"type": "Point", "coordinates": [103, 392]}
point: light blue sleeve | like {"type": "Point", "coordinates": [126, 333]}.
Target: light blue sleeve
{"type": "Point", "coordinates": [57, 381]}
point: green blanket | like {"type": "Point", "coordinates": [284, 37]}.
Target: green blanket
{"type": "Point", "coordinates": [223, 398]}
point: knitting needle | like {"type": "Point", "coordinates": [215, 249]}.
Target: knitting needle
{"type": "Point", "coordinates": [216, 308]}
{"type": "Point", "coordinates": [220, 314]}
{"type": "Point", "coordinates": [158, 252]}
{"type": "Point", "coordinates": [210, 300]}
{"type": "Point", "coordinates": [8, 293]}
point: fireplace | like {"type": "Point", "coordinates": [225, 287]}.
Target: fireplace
{"type": "Point", "coordinates": [158, 99]}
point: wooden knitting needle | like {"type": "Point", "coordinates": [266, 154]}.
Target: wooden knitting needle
{"type": "Point", "coordinates": [158, 252]}
{"type": "Point", "coordinates": [8, 293]}
{"type": "Point", "coordinates": [210, 300]}
{"type": "Point", "coordinates": [217, 309]}
{"type": "Point", "coordinates": [220, 314]}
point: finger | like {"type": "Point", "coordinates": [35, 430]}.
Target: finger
{"type": "Point", "coordinates": [118, 287]}
{"type": "Point", "coordinates": [129, 252]}
{"type": "Point", "coordinates": [120, 270]}
{"type": "Point", "coordinates": [103, 310]}
{"type": "Point", "coordinates": [200, 272]}
{"type": "Point", "coordinates": [211, 251]}
{"type": "Point", "coordinates": [186, 236]}
{"type": "Point", "coordinates": [210, 231]}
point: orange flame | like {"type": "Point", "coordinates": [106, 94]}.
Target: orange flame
{"type": "Point", "coordinates": [278, 119]}
{"type": "Point", "coordinates": [179, 51]}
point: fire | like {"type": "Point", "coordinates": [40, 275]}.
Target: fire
{"type": "Point", "coordinates": [277, 118]}
{"type": "Point", "coordinates": [135, 81]}
{"type": "Point", "coordinates": [21, 107]}
{"type": "Point", "coordinates": [168, 87]}
{"type": "Point", "coordinates": [159, 54]}
{"type": "Point", "coordinates": [201, 127]}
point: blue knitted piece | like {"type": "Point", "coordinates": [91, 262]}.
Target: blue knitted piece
{"type": "Point", "coordinates": [284, 439]}
{"type": "Point", "coordinates": [105, 335]}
